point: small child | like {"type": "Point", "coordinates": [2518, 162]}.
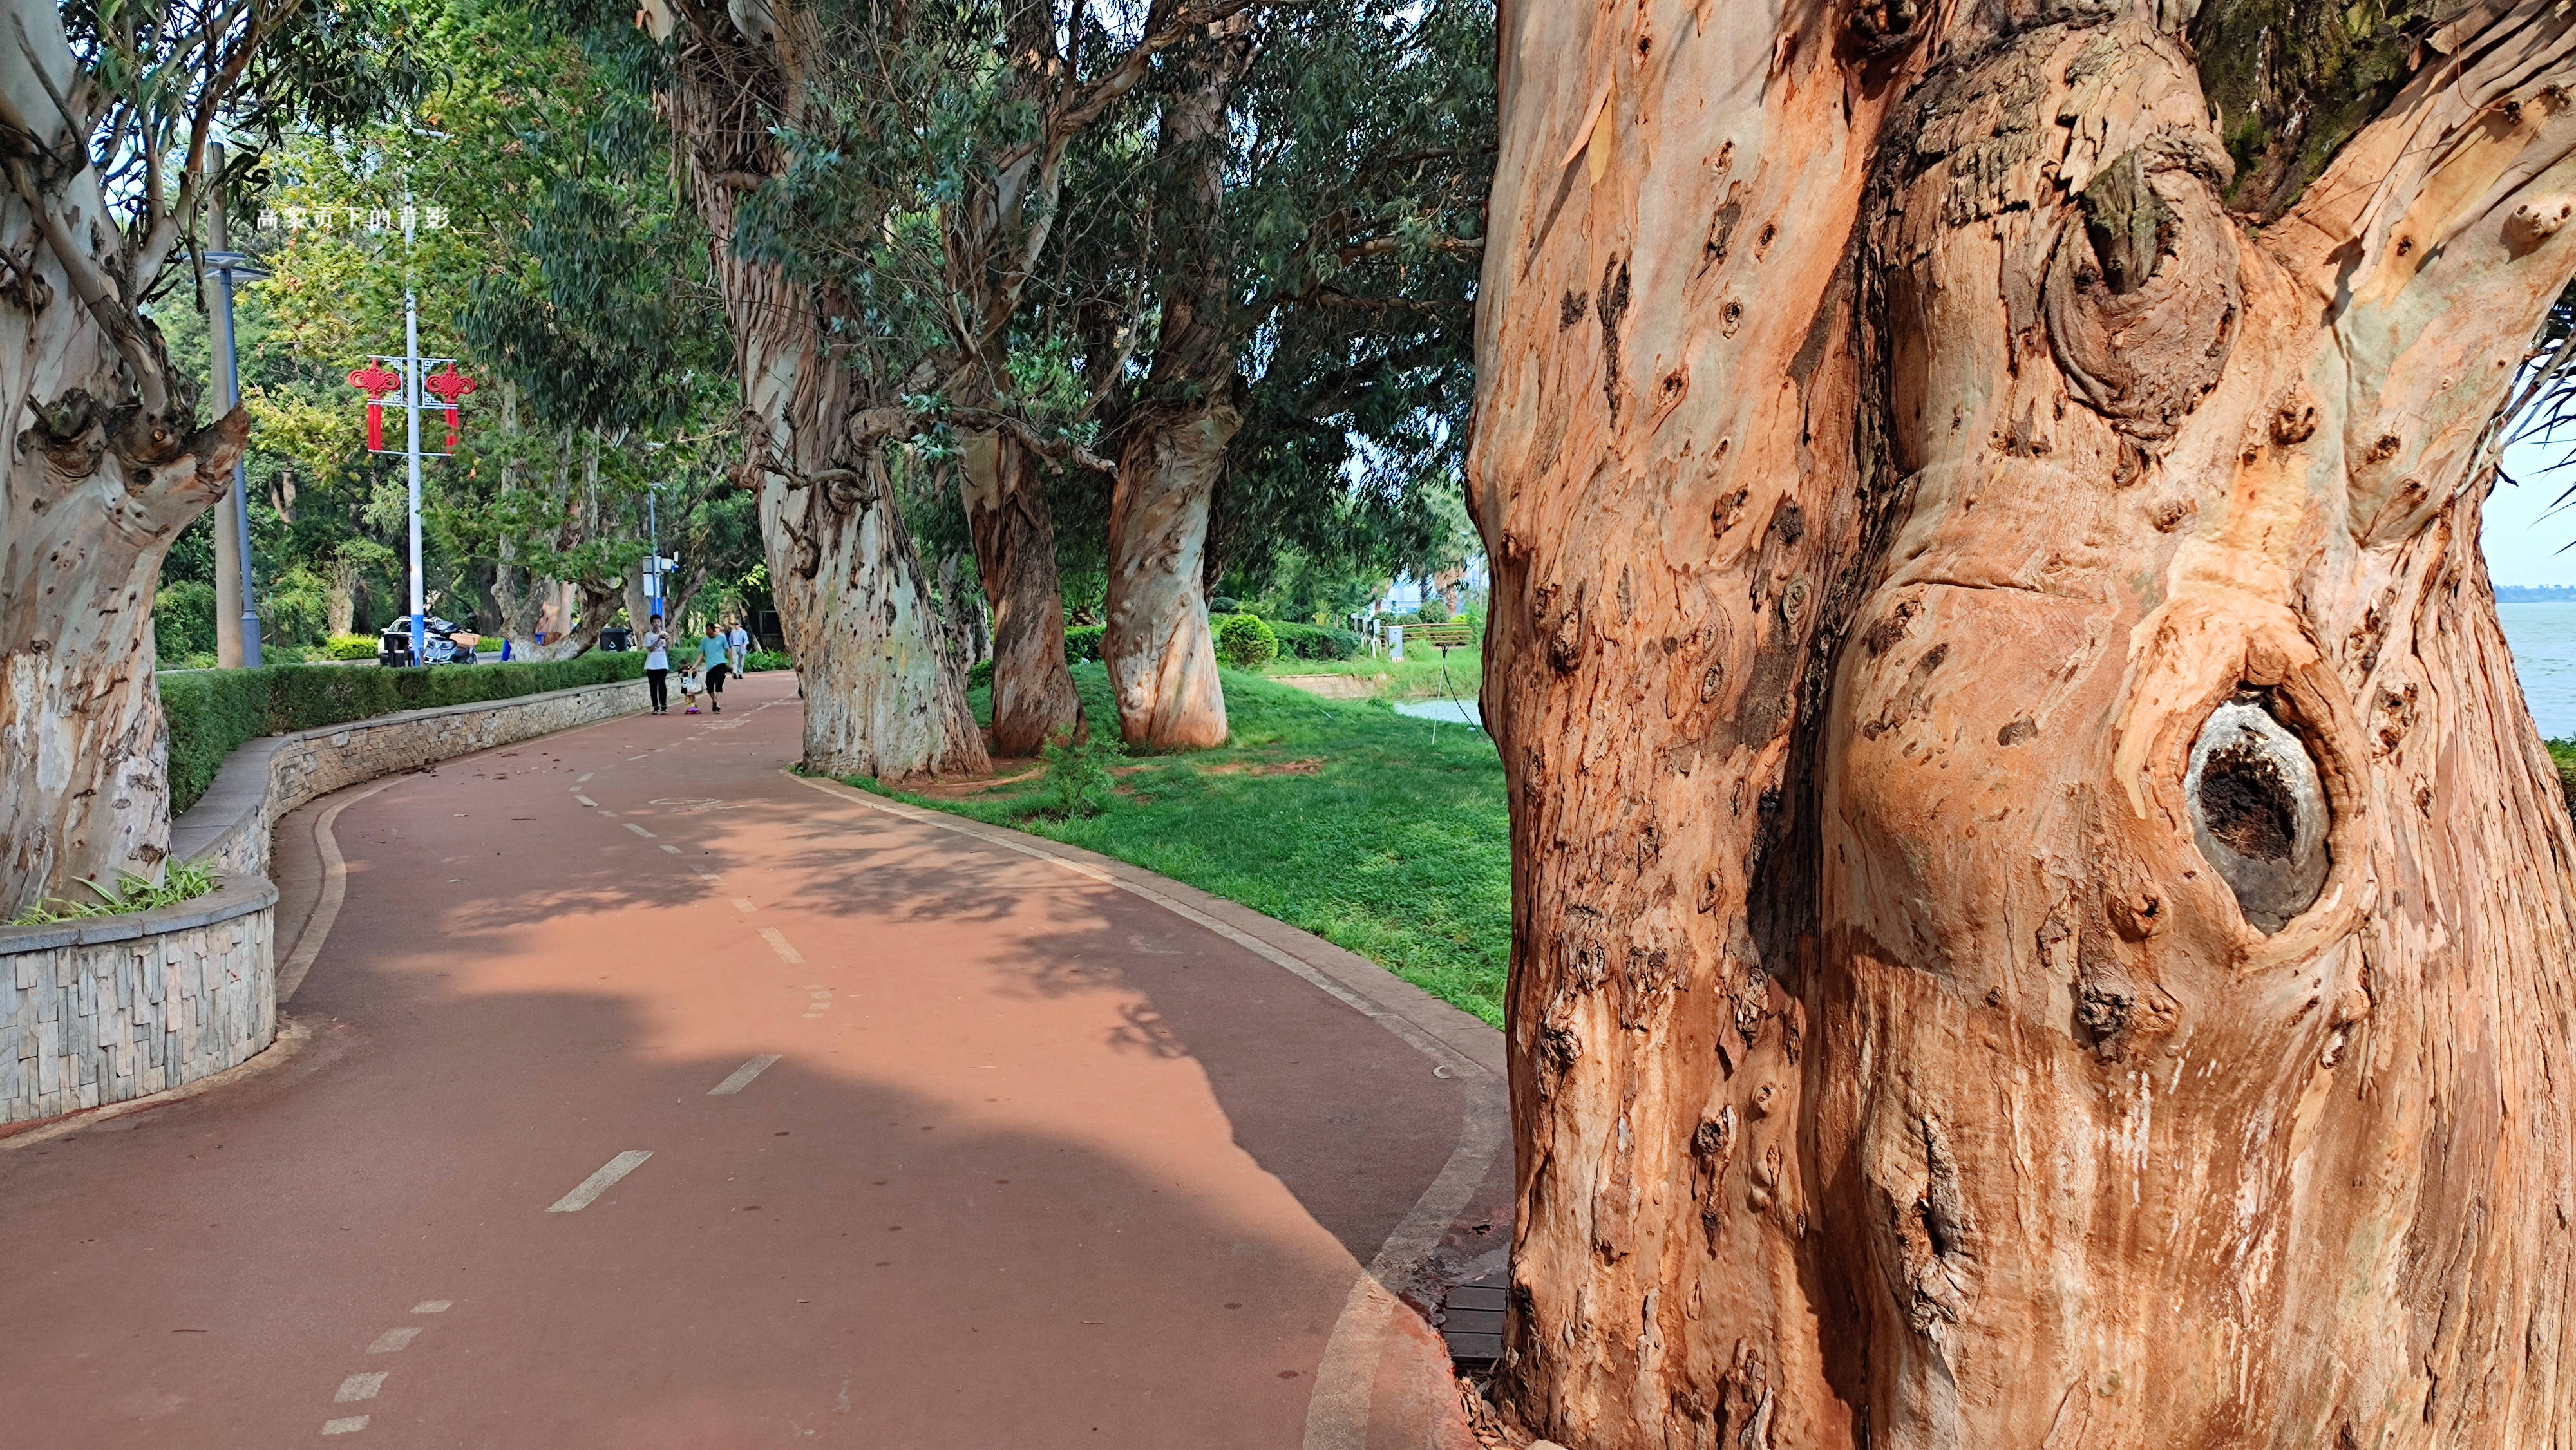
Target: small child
{"type": "Point", "coordinates": [689, 684]}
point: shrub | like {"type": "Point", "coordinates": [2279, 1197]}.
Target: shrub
{"type": "Point", "coordinates": [183, 620]}
{"type": "Point", "coordinates": [1434, 610]}
{"type": "Point", "coordinates": [979, 674]}
{"type": "Point", "coordinates": [1246, 642]}
{"type": "Point", "coordinates": [1222, 605]}
{"type": "Point", "coordinates": [213, 712]}
{"type": "Point", "coordinates": [1077, 779]}
{"type": "Point", "coordinates": [1308, 642]}
{"type": "Point", "coordinates": [1082, 642]}
{"type": "Point", "coordinates": [349, 647]}
{"type": "Point", "coordinates": [767, 659]}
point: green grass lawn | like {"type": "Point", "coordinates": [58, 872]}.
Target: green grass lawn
{"type": "Point", "coordinates": [1376, 836]}
{"type": "Point", "coordinates": [1418, 677]}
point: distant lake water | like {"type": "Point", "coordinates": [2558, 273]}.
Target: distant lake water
{"type": "Point", "coordinates": [2543, 637]}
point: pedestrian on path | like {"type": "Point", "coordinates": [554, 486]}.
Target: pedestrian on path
{"type": "Point", "coordinates": [737, 646]}
{"type": "Point", "coordinates": [657, 666]}
{"type": "Point", "coordinates": [689, 685]}
{"type": "Point", "coordinates": [717, 656]}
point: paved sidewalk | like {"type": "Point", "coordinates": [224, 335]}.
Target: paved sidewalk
{"type": "Point", "coordinates": [656, 1097]}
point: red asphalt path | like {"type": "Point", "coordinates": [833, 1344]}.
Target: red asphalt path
{"type": "Point", "coordinates": [1039, 1163]}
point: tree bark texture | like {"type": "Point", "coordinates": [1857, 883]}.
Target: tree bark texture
{"type": "Point", "coordinates": [1161, 658]}
{"type": "Point", "coordinates": [1005, 498]}
{"type": "Point", "coordinates": [104, 468]}
{"type": "Point", "coordinates": [2040, 917]}
{"type": "Point", "coordinates": [881, 697]}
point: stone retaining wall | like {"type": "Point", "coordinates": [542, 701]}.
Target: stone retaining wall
{"type": "Point", "coordinates": [121, 1006]}
{"type": "Point", "coordinates": [118, 1007]}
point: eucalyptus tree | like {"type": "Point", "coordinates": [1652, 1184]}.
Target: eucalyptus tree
{"type": "Point", "coordinates": [107, 116]}
{"type": "Point", "coordinates": [1311, 250]}
{"type": "Point", "coordinates": [2040, 917]}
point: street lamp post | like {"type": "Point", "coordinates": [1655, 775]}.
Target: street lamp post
{"type": "Point", "coordinates": [227, 266]}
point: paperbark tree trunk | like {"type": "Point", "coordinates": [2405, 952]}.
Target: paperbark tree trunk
{"type": "Point", "coordinates": [2040, 918]}
{"type": "Point", "coordinates": [1161, 660]}
{"type": "Point", "coordinates": [881, 698]}
{"type": "Point", "coordinates": [1005, 498]}
{"type": "Point", "coordinates": [106, 464]}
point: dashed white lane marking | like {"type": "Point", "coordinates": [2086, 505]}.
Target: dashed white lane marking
{"type": "Point", "coordinates": [392, 1341]}
{"type": "Point", "coordinates": [702, 871]}
{"type": "Point", "coordinates": [743, 903]}
{"type": "Point", "coordinates": [585, 800]}
{"type": "Point", "coordinates": [584, 778]}
{"type": "Point", "coordinates": [778, 943]}
{"type": "Point", "coordinates": [639, 830]}
{"type": "Point", "coordinates": [605, 811]}
{"type": "Point", "coordinates": [818, 1001]}
{"type": "Point", "coordinates": [345, 1425]}
{"type": "Point", "coordinates": [742, 1076]}
{"type": "Point", "coordinates": [433, 1306]}
{"type": "Point", "coordinates": [674, 850]}
{"type": "Point", "coordinates": [598, 1183]}
{"type": "Point", "coordinates": [359, 1387]}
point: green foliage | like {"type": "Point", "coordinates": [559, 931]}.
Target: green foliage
{"type": "Point", "coordinates": [979, 675]}
{"type": "Point", "coordinates": [183, 620]}
{"type": "Point", "coordinates": [1245, 642]}
{"type": "Point", "coordinates": [1082, 642]}
{"type": "Point", "coordinates": [212, 712]}
{"type": "Point", "coordinates": [1077, 781]}
{"type": "Point", "coordinates": [1309, 642]}
{"type": "Point", "coordinates": [349, 647]}
{"type": "Point", "coordinates": [180, 881]}
{"type": "Point", "coordinates": [1369, 829]}
{"type": "Point", "coordinates": [767, 659]}
{"type": "Point", "coordinates": [1434, 610]}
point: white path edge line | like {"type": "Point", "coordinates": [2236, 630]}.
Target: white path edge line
{"type": "Point", "coordinates": [778, 943]}
{"type": "Point", "coordinates": [345, 1425]}
{"type": "Point", "coordinates": [335, 891]}
{"type": "Point", "coordinates": [639, 830]}
{"type": "Point", "coordinates": [600, 1182]}
{"type": "Point", "coordinates": [395, 1341]}
{"type": "Point", "coordinates": [742, 1076]}
{"type": "Point", "coordinates": [1337, 1410]}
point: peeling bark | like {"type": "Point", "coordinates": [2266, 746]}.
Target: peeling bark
{"type": "Point", "coordinates": [2040, 917]}
{"type": "Point", "coordinates": [881, 697]}
{"type": "Point", "coordinates": [1005, 499]}
{"type": "Point", "coordinates": [106, 464]}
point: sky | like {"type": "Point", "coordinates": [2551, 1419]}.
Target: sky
{"type": "Point", "coordinates": [2524, 537]}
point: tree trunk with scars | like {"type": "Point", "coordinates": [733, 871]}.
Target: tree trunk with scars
{"type": "Point", "coordinates": [1005, 498]}
{"type": "Point", "coordinates": [1161, 659]}
{"type": "Point", "coordinates": [881, 697]}
{"type": "Point", "coordinates": [2040, 918]}
{"type": "Point", "coordinates": [106, 464]}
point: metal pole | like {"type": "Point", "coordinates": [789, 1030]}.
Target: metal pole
{"type": "Point", "coordinates": [411, 411]}
{"type": "Point", "coordinates": [241, 475]}
{"type": "Point", "coordinates": [653, 568]}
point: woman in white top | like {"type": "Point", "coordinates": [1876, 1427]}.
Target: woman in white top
{"type": "Point", "coordinates": [657, 666]}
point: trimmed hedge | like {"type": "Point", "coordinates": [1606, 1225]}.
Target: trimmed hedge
{"type": "Point", "coordinates": [1245, 642]}
{"type": "Point", "coordinates": [211, 712]}
{"type": "Point", "coordinates": [1082, 642]}
{"type": "Point", "coordinates": [1309, 642]}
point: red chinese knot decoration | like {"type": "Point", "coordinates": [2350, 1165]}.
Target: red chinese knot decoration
{"type": "Point", "coordinates": [375, 381]}
{"type": "Point", "coordinates": [449, 385]}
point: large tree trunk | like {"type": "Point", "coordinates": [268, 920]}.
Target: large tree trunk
{"type": "Point", "coordinates": [1005, 497]}
{"type": "Point", "coordinates": [2040, 917]}
{"type": "Point", "coordinates": [1161, 660]}
{"type": "Point", "coordinates": [105, 466]}
{"type": "Point", "coordinates": [881, 698]}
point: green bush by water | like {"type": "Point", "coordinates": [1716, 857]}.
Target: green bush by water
{"type": "Point", "coordinates": [212, 712]}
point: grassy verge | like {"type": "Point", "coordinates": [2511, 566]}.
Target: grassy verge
{"type": "Point", "coordinates": [1417, 678]}
{"type": "Point", "coordinates": [1346, 820]}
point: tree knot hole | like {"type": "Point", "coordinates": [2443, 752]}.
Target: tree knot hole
{"type": "Point", "coordinates": [2258, 810]}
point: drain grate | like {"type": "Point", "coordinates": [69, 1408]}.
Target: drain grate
{"type": "Point", "coordinates": [1471, 1323]}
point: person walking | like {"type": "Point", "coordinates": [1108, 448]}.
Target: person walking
{"type": "Point", "coordinates": [738, 646]}
{"type": "Point", "coordinates": [657, 666]}
{"type": "Point", "coordinates": [716, 655]}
